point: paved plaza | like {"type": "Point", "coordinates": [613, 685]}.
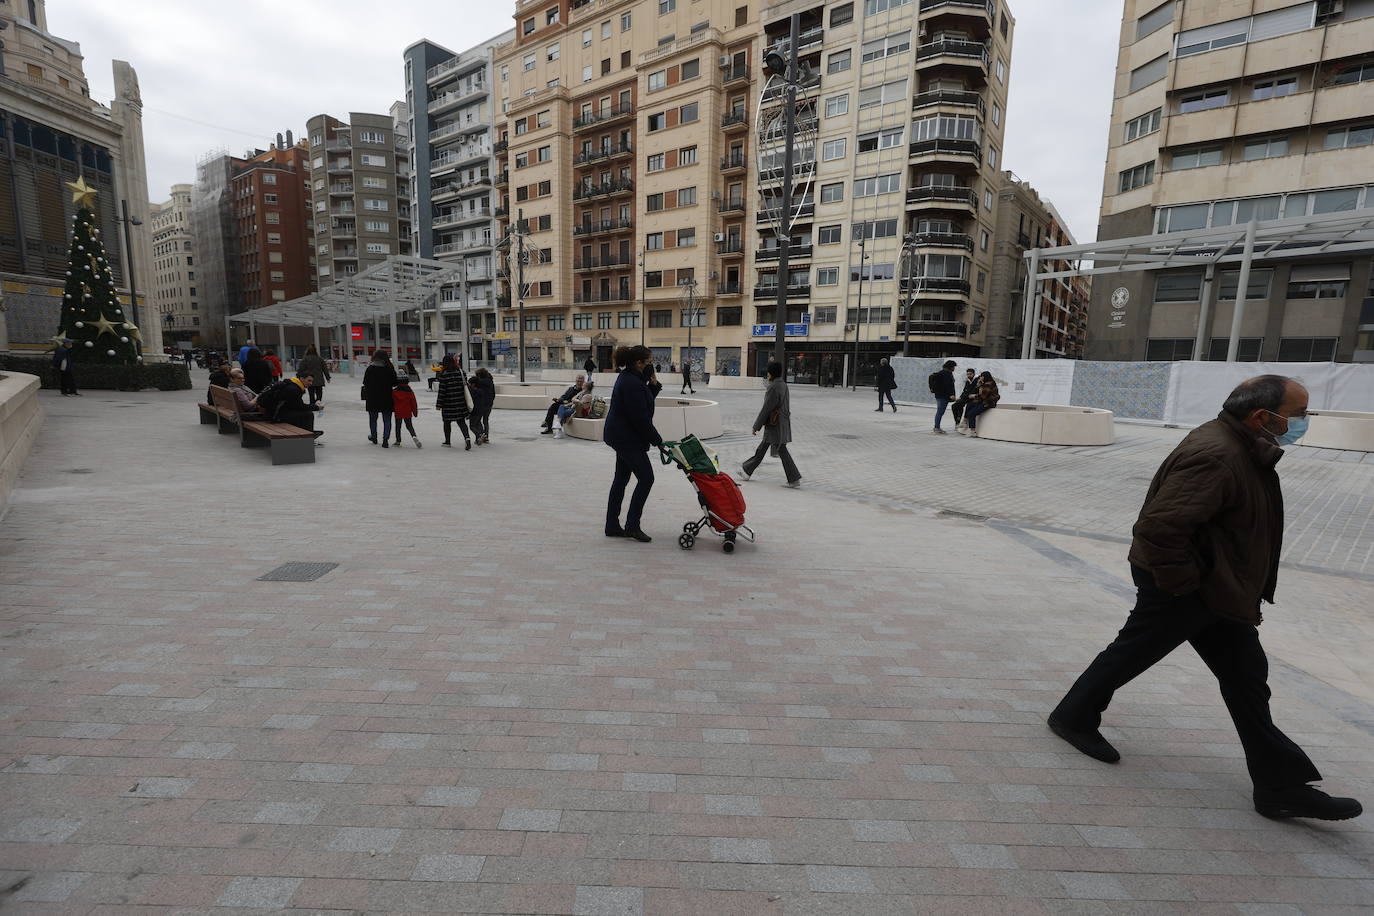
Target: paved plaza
{"type": "Point", "coordinates": [489, 707]}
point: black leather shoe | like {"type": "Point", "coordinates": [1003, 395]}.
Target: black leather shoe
{"type": "Point", "coordinates": [1305, 801]}
{"type": "Point", "coordinates": [615, 532]}
{"type": "Point", "coordinates": [638, 536]}
{"type": "Point", "coordinates": [1091, 743]}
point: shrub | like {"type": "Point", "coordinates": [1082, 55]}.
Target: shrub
{"type": "Point", "coordinates": [103, 376]}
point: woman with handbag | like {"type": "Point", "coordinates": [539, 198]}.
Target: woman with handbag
{"type": "Point", "coordinates": [986, 399]}
{"type": "Point", "coordinates": [377, 384]}
{"type": "Point", "coordinates": [454, 401]}
{"type": "Point", "coordinates": [775, 419]}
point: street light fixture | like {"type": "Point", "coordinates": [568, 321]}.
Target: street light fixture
{"type": "Point", "coordinates": [689, 296]}
{"type": "Point", "coordinates": [859, 312]}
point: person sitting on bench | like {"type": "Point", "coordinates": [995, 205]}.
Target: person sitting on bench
{"type": "Point", "coordinates": [247, 398]}
{"type": "Point", "coordinates": [578, 384]}
{"type": "Point", "coordinates": [285, 402]}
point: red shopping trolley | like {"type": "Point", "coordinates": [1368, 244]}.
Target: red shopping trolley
{"type": "Point", "coordinates": [721, 499]}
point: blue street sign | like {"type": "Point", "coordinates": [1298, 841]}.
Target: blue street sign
{"type": "Point", "coordinates": [789, 330]}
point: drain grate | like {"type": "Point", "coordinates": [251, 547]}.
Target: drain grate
{"type": "Point", "coordinates": [81, 470]}
{"type": "Point", "coordinates": [970, 516]}
{"type": "Point", "coordinates": [297, 572]}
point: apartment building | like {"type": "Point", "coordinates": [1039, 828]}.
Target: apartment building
{"type": "Point", "coordinates": [1224, 113]}
{"type": "Point", "coordinates": [1025, 220]}
{"type": "Point", "coordinates": [451, 130]}
{"type": "Point", "coordinates": [174, 294]}
{"type": "Point", "coordinates": [271, 193]}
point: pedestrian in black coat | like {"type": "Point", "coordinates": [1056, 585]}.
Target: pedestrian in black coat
{"type": "Point", "coordinates": [64, 366]}
{"type": "Point", "coordinates": [629, 429]}
{"type": "Point", "coordinates": [452, 403]}
{"type": "Point", "coordinates": [378, 381]}
{"type": "Point", "coordinates": [257, 371]}
{"type": "Point", "coordinates": [887, 383]}
{"type": "Point", "coordinates": [483, 399]}
{"type": "Point", "coordinates": [687, 378]}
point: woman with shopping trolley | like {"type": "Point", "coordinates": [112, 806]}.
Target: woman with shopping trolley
{"type": "Point", "coordinates": [629, 429]}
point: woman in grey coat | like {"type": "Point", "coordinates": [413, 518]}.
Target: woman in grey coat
{"type": "Point", "coordinates": [775, 419]}
{"type": "Point", "coordinates": [312, 364]}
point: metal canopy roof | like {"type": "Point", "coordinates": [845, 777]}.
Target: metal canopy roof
{"type": "Point", "coordinates": [398, 284]}
{"type": "Point", "coordinates": [1295, 237]}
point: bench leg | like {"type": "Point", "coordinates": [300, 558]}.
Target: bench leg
{"type": "Point", "coordinates": [225, 427]}
{"type": "Point", "coordinates": [208, 419]}
{"type": "Point", "coordinates": [293, 451]}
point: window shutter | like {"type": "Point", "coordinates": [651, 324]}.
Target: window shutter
{"type": "Point", "coordinates": [1283, 22]}
{"type": "Point", "coordinates": [1145, 74]}
{"type": "Point", "coordinates": [1312, 273]}
{"type": "Point", "coordinates": [1214, 32]}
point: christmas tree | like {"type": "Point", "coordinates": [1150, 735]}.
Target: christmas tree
{"type": "Point", "coordinates": [91, 313]}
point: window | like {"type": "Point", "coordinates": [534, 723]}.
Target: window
{"type": "Point", "coordinates": [1001, 70]}
{"type": "Point", "coordinates": [983, 239]}
{"type": "Point", "coordinates": [269, 178]}
{"type": "Point", "coordinates": [880, 139]}
{"type": "Point", "coordinates": [657, 80]}
{"type": "Point", "coordinates": [653, 202]}
{"type": "Point", "coordinates": [527, 26]}
{"type": "Point", "coordinates": [687, 155]}
{"type": "Point", "coordinates": [1151, 72]}
{"type": "Point", "coordinates": [882, 6]}
{"type": "Point", "coordinates": [1137, 177]}
{"type": "Point", "coordinates": [373, 160]}
{"type": "Point", "coordinates": [556, 322]}
{"type": "Point", "coordinates": [653, 241]}
{"type": "Point", "coordinates": [543, 119]}
{"type": "Point", "coordinates": [729, 316]}
{"type": "Point", "coordinates": [987, 200]}
{"type": "Point", "coordinates": [688, 113]}
{"type": "Point", "coordinates": [885, 94]}
{"type": "Point", "coordinates": [823, 314]}
{"type": "Point", "coordinates": [273, 238]}
{"type": "Point", "coordinates": [377, 225]}
{"type": "Point", "coordinates": [1178, 286]}
{"type": "Point", "coordinates": [1247, 352]}
{"type": "Point", "coordinates": [522, 160]}
{"type": "Point", "coordinates": [587, 73]}
{"type": "Point", "coordinates": [375, 203]}
{"type": "Point", "coordinates": [830, 193]}
{"type": "Point", "coordinates": [606, 29]}
{"type": "Point", "coordinates": [888, 45]}
{"type": "Point", "coordinates": [828, 235]}
{"type": "Point", "coordinates": [690, 70]}
{"type": "Point", "coordinates": [625, 22]}
{"type": "Point", "coordinates": [827, 276]}
{"type": "Point", "coordinates": [693, 318]}
{"type": "Point", "coordinates": [1356, 73]}
{"type": "Point", "coordinates": [551, 16]}
{"type": "Point", "coordinates": [1322, 281]}
{"type": "Point", "coordinates": [603, 321]}
{"type": "Point", "coordinates": [269, 198]}
{"type": "Point", "coordinates": [656, 121]}
{"type": "Point", "coordinates": [1346, 137]}
{"type": "Point", "coordinates": [839, 60]}
{"type": "Point", "coordinates": [627, 319]}
{"type": "Point", "coordinates": [1154, 20]}
{"type": "Point", "coordinates": [543, 154]}
{"type": "Point", "coordinates": [997, 114]}
{"type": "Point", "coordinates": [666, 6]}
{"type": "Point", "coordinates": [880, 184]}
{"type": "Point", "coordinates": [581, 322]}
{"type": "Point", "coordinates": [1228, 212]}
{"type": "Point", "coordinates": [1274, 88]}
{"type": "Point", "coordinates": [837, 105]}
{"type": "Point", "coordinates": [1337, 201]}
{"type": "Point", "coordinates": [875, 229]}
{"type": "Point", "coordinates": [1168, 349]}
{"type": "Point", "coordinates": [586, 38]}
{"type": "Point", "coordinates": [686, 238]}
{"type": "Point", "coordinates": [654, 163]}
{"type": "Point", "coordinates": [833, 149]}
{"type": "Point", "coordinates": [1177, 219]}
{"type": "Point", "coordinates": [686, 197]}
{"type": "Point", "coordinates": [1307, 349]}
{"type": "Point", "coordinates": [1196, 158]}
{"type": "Point", "coordinates": [372, 181]}
{"type": "Point", "coordinates": [660, 318]}
{"type": "Point", "coordinates": [1256, 287]}
{"type": "Point", "coordinates": [543, 223]}
{"type": "Point", "coordinates": [1136, 128]}
{"type": "Point", "coordinates": [1264, 149]}
{"type": "Point", "coordinates": [1202, 101]}
{"type": "Point", "coordinates": [528, 63]}
{"type": "Point", "coordinates": [274, 257]}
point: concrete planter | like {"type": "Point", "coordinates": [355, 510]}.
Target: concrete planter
{"type": "Point", "coordinates": [20, 419]}
{"type": "Point", "coordinates": [1043, 424]}
{"type": "Point", "coordinates": [1342, 429]}
{"type": "Point", "coordinates": [673, 417]}
{"type": "Point", "coordinates": [736, 383]}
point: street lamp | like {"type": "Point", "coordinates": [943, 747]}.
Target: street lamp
{"type": "Point", "coordinates": [859, 312]}
{"type": "Point", "coordinates": [689, 296]}
{"type": "Point", "coordinates": [909, 256]}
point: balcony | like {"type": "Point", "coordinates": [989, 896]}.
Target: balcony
{"type": "Point", "coordinates": [457, 158]}
{"type": "Point", "coordinates": [608, 263]}
{"type": "Point", "coordinates": [734, 162]}
{"type": "Point", "coordinates": [622, 295]}
{"type": "Point", "coordinates": [345, 254]}
{"type": "Point", "coordinates": [604, 116]}
{"type": "Point", "coordinates": [801, 209]}
{"type": "Point", "coordinates": [944, 240]}
{"type": "Point", "coordinates": [499, 147]}
{"type": "Point", "coordinates": [449, 99]}
{"type": "Point", "coordinates": [340, 165]}
{"type": "Point", "coordinates": [981, 8]}
{"type": "Point", "coordinates": [449, 131]}
{"type": "Point", "coordinates": [503, 177]}
{"type": "Point", "coordinates": [1024, 241]}
{"type": "Point", "coordinates": [935, 286]}
{"type": "Point", "coordinates": [775, 95]}
{"type": "Point", "coordinates": [342, 211]}
{"type": "Point", "coordinates": [597, 227]}
{"type": "Point", "coordinates": [731, 205]}
{"type": "Point", "coordinates": [959, 97]}
{"type": "Point", "coordinates": [733, 73]}
{"type": "Point", "coordinates": [942, 196]}
{"type": "Point", "coordinates": [449, 248]}
{"type": "Point", "coordinates": [604, 152]}
{"type": "Point", "coordinates": [800, 172]}
{"type": "Point", "coordinates": [341, 189]}
{"type": "Point", "coordinates": [605, 189]}
{"type": "Point", "coordinates": [933, 328]}
{"type": "Point", "coordinates": [807, 39]}
{"type": "Point", "coordinates": [447, 220]}
{"type": "Point", "coordinates": [732, 121]}
{"type": "Point", "coordinates": [946, 149]}
{"type": "Point", "coordinates": [771, 253]}
{"type": "Point", "coordinates": [728, 288]}
{"type": "Point", "coordinates": [344, 230]}
{"type": "Point", "coordinates": [960, 52]}
{"type": "Point", "coordinates": [799, 291]}
{"type": "Point", "coordinates": [731, 246]}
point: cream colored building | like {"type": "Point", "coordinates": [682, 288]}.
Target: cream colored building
{"type": "Point", "coordinates": [1229, 111]}
{"type": "Point", "coordinates": [174, 297]}
{"type": "Point", "coordinates": [631, 128]}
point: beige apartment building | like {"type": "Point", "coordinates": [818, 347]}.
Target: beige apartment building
{"type": "Point", "coordinates": [630, 127]}
{"type": "Point", "coordinates": [174, 294]}
{"type": "Point", "coordinates": [1226, 112]}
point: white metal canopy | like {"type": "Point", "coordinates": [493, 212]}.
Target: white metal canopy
{"type": "Point", "coordinates": [1350, 231]}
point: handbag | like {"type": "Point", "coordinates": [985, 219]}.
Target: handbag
{"type": "Point", "coordinates": [775, 417]}
{"type": "Point", "coordinates": [467, 395]}
{"type": "Point", "coordinates": [363, 393]}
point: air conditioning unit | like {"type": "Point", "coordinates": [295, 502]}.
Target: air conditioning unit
{"type": "Point", "coordinates": [715, 195]}
{"type": "Point", "coordinates": [720, 236]}
{"type": "Point", "coordinates": [725, 61]}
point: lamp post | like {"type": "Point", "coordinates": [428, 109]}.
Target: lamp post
{"type": "Point", "coordinates": [909, 251]}
{"type": "Point", "coordinates": [689, 296]}
{"type": "Point", "coordinates": [129, 263]}
{"type": "Point", "coordinates": [859, 312]}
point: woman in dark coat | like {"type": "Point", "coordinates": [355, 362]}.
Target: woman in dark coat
{"type": "Point", "coordinates": [630, 431]}
{"type": "Point", "coordinates": [219, 375]}
{"type": "Point", "coordinates": [451, 403]}
{"type": "Point", "coordinates": [378, 381]}
{"type": "Point", "coordinates": [312, 364]}
{"type": "Point", "coordinates": [257, 371]}
{"type": "Point", "coordinates": [887, 383]}
{"type": "Point", "coordinates": [483, 397]}
{"type": "Point", "coordinates": [775, 419]}
{"type": "Point", "coordinates": [986, 399]}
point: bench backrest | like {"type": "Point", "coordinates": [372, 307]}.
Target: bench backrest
{"type": "Point", "coordinates": [224, 399]}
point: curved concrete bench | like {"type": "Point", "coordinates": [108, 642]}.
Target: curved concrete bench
{"type": "Point", "coordinates": [673, 417]}
{"type": "Point", "coordinates": [1343, 429]}
{"type": "Point", "coordinates": [527, 396]}
{"type": "Point", "coordinates": [20, 419]}
{"type": "Point", "coordinates": [1045, 424]}
{"type": "Point", "coordinates": [736, 383]}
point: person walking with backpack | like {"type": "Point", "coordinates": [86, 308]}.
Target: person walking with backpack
{"type": "Point", "coordinates": [775, 419]}
{"type": "Point", "coordinates": [452, 401]}
{"type": "Point", "coordinates": [377, 383]}
{"type": "Point", "coordinates": [887, 383]}
{"type": "Point", "coordinates": [942, 388]}
{"type": "Point", "coordinates": [404, 405]}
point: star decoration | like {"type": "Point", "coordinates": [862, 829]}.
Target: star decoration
{"type": "Point", "coordinates": [104, 326]}
{"type": "Point", "coordinates": [134, 332]}
{"type": "Point", "coordinates": [57, 339]}
{"type": "Point", "coordinates": [82, 195]}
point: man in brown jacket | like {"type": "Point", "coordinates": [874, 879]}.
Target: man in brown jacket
{"type": "Point", "coordinates": [1205, 553]}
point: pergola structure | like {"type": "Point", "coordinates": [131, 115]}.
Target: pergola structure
{"type": "Point", "coordinates": [401, 283]}
{"type": "Point", "coordinates": [1244, 244]}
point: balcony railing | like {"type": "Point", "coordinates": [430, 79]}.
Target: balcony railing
{"type": "Point", "coordinates": [731, 245]}
{"type": "Point", "coordinates": [595, 227]}
{"type": "Point", "coordinates": [800, 170]}
{"type": "Point", "coordinates": [607, 188]}
{"type": "Point", "coordinates": [454, 219]}
{"type": "Point", "coordinates": [499, 147]}
{"type": "Point", "coordinates": [940, 193]}
{"type": "Point", "coordinates": [728, 288]}
{"type": "Point", "coordinates": [602, 263]}
{"type": "Point", "coordinates": [770, 253]}
{"type": "Point", "coordinates": [957, 148]}
{"type": "Point", "coordinates": [953, 47]}
{"type": "Point", "coordinates": [798, 291]}
{"type": "Point", "coordinates": [341, 189]}
{"type": "Point", "coordinates": [775, 95]}
{"type": "Point", "coordinates": [806, 39]}
{"type": "Point", "coordinates": [503, 177]}
{"type": "Point", "coordinates": [730, 205]}
{"type": "Point", "coordinates": [622, 295]}
{"type": "Point", "coordinates": [934, 328]}
{"type": "Point", "coordinates": [733, 161]}
{"type": "Point", "coordinates": [604, 152]}
{"type": "Point", "coordinates": [986, 7]}
{"type": "Point", "coordinates": [451, 98]}
{"type": "Point", "coordinates": [944, 240]}
{"type": "Point", "coordinates": [936, 285]}
{"type": "Point", "coordinates": [731, 72]}
{"type": "Point", "coordinates": [949, 97]}
{"type": "Point", "coordinates": [733, 118]}
{"type": "Point", "coordinates": [605, 114]}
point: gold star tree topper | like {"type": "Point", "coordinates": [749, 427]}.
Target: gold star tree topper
{"type": "Point", "coordinates": [82, 194]}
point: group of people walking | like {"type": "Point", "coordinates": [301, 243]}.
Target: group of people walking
{"type": "Point", "coordinates": [461, 400]}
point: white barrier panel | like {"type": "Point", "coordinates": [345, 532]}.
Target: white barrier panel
{"type": "Point", "coordinates": [1198, 389]}
{"type": "Point", "coordinates": [736, 383]}
{"type": "Point", "coordinates": [1343, 429]}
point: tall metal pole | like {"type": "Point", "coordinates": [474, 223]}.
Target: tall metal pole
{"type": "Point", "coordinates": [1030, 319]}
{"type": "Point", "coordinates": [1204, 314]}
{"type": "Point", "coordinates": [784, 223]}
{"type": "Point", "coordinates": [1242, 287]}
{"type": "Point", "coordinates": [642, 293]}
{"type": "Point", "coordinates": [859, 312]}
{"type": "Point", "coordinates": [520, 288]}
{"type": "Point", "coordinates": [910, 292]}
{"type": "Point", "coordinates": [129, 263]}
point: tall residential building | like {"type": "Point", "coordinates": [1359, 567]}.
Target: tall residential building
{"type": "Point", "coordinates": [214, 232]}
{"type": "Point", "coordinates": [1025, 220]}
{"type": "Point", "coordinates": [275, 228]}
{"type": "Point", "coordinates": [1224, 113]}
{"type": "Point", "coordinates": [901, 117]}
{"type": "Point", "coordinates": [175, 293]}
{"type": "Point", "coordinates": [52, 132]}
{"type": "Point", "coordinates": [451, 129]}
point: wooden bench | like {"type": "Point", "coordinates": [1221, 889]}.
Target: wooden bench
{"type": "Point", "coordinates": [210, 415]}
{"type": "Point", "coordinates": [288, 444]}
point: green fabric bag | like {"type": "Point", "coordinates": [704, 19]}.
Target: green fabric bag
{"type": "Point", "coordinates": [691, 453]}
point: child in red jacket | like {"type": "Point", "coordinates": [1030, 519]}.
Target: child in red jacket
{"type": "Point", "coordinates": [404, 405]}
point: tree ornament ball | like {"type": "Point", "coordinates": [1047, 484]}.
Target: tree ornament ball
{"type": "Point", "coordinates": [66, 295]}
{"type": "Point", "coordinates": [81, 324]}
{"type": "Point", "coordinates": [79, 248]}
{"type": "Point", "coordinates": [109, 353]}
{"type": "Point", "coordinates": [119, 312]}
{"type": "Point", "coordinates": [123, 340]}
{"type": "Point", "coordinates": [90, 343]}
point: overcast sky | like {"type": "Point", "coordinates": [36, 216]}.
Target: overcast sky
{"type": "Point", "coordinates": [217, 76]}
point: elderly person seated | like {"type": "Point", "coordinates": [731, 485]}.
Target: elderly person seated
{"type": "Point", "coordinates": [246, 397]}
{"type": "Point", "coordinates": [579, 384]}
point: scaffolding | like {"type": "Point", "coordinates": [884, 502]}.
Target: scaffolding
{"type": "Point", "coordinates": [1350, 231]}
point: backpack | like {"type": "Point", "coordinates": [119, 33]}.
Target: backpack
{"type": "Point", "coordinates": [271, 400]}
{"type": "Point", "coordinates": [598, 409]}
{"type": "Point", "coordinates": [931, 381]}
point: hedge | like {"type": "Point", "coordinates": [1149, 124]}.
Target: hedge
{"type": "Point", "coordinates": [103, 376]}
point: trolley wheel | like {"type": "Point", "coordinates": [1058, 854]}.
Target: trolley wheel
{"type": "Point", "coordinates": [689, 528]}
{"type": "Point", "coordinates": [730, 536]}
{"type": "Point", "coordinates": [686, 541]}
{"type": "Point", "coordinates": [728, 547]}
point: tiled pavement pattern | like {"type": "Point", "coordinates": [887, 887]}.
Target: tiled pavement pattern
{"type": "Point", "coordinates": [489, 707]}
